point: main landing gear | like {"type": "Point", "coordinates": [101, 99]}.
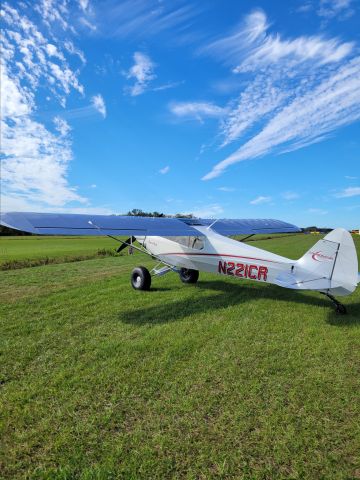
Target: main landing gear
{"type": "Point", "coordinates": [187, 275]}
{"type": "Point", "coordinates": [141, 277]}
{"type": "Point", "coordinates": [339, 307]}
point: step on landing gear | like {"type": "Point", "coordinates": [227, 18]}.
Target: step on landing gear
{"type": "Point", "coordinates": [339, 307]}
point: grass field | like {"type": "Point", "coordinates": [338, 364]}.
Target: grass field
{"type": "Point", "coordinates": [226, 379]}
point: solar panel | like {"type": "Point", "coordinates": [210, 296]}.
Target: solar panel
{"type": "Point", "coordinates": [243, 226]}
{"type": "Point", "coordinates": [75, 224]}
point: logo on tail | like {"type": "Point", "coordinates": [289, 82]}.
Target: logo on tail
{"type": "Point", "coordinates": [320, 257]}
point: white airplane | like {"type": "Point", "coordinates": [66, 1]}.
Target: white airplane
{"type": "Point", "coordinates": [189, 246]}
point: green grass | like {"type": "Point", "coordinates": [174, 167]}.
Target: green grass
{"type": "Point", "coordinates": [34, 247]}
{"type": "Point", "coordinates": [224, 379]}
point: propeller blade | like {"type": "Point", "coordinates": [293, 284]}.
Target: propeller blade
{"type": "Point", "coordinates": [125, 244]}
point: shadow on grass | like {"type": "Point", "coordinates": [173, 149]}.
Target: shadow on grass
{"type": "Point", "coordinates": [230, 295]}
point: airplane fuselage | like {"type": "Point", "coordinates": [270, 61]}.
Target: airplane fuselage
{"type": "Point", "coordinates": [215, 253]}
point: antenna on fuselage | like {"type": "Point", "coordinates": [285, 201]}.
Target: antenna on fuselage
{"type": "Point", "coordinates": [208, 228]}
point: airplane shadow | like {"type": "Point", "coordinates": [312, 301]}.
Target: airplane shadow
{"type": "Point", "coordinates": [230, 295]}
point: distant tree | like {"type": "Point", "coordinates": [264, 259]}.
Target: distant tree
{"type": "Point", "coordinates": [184, 215]}
{"type": "Point", "coordinates": [137, 212]}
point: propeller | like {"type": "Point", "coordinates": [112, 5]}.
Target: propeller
{"type": "Point", "coordinates": [125, 244]}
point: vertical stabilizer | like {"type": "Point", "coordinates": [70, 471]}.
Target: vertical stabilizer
{"type": "Point", "coordinates": [333, 259]}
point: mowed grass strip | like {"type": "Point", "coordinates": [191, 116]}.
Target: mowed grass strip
{"type": "Point", "coordinates": [224, 379]}
{"type": "Point", "coordinates": [29, 249]}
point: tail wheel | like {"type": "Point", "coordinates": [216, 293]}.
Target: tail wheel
{"type": "Point", "coordinates": [141, 278]}
{"type": "Point", "coordinates": [187, 275]}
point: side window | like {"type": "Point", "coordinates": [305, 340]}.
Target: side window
{"type": "Point", "coordinates": [197, 243]}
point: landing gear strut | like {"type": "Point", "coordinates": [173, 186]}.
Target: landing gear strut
{"type": "Point", "coordinates": [340, 308]}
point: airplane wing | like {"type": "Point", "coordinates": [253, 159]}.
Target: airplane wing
{"type": "Point", "coordinates": [244, 226]}
{"type": "Point", "coordinates": [75, 224]}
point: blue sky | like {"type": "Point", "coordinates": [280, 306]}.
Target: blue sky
{"type": "Point", "coordinates": [224, 109]}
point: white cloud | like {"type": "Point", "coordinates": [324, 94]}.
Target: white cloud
{"type": "Point", "coordinates": [332, 8]}
{"type": "Point", "coordinates": [290, 195]}
{"type": "Point", "coordinates": [166, 86]}
{"type": "Point", "coordinates": [260, 200]}
{"type": "Point", "coordinates": [84, 4]}
{"type": "Point", "coordinates": [317, 211]}
{"type": "Point", "coordinates": [311, 112]}
{"type": "Point", "coordinates": [348, 177]}
{"type": "Point", "coordinates": [36, 156]}
{"type": "Point", "coordinates": [62, 126]}
{"type": "Point", "coordinates": [164, 170]}
{"type": "Point", "coordinates": [84, 21]}
{"type": "Point", "coordinates": [208, 211]}
{"type": "Point", "coordinates": [250, 47]}
{"type": "Point", "coordinates": [143, 73]}
{"type": "Point", "coordinates": [258, 100]}
{"type": "Point", "coordinates": [21, 204]}
{"type": "Point", "coordinates": [93, 185]}
{"type": "Point", "coordinates": [226, 189]}
{"type": "Point", "coordinates": [139, 18]}
{"type": "Point", "coordinates": [297, 90]}
{"type": "Point", "coordinates": [349, 192]}
{"type": "Point", "coordinates": [99, 104]}
{"type": "Point", "coordinates": [196, 110]}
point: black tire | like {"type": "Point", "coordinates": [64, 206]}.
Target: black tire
{"type": "Point", "coordinates": [341, 309]}
{"type": "Point", "coordinates": [187, 275]}
{"type": "Point", "coordinates": [141, 278]}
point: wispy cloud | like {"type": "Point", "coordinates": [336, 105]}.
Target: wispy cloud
{"type": "Point", "coordinates": [212, 210]}
{"type": "Point", "coordinates": [62, 126]}
{"type": "Point", "coordinates": [317, 211]}
{"type": "Point", "coordinates": [196, 110]}
{"type": "Point", "coordinates": [290, 195]}
{"type": "Point", "coordinates": [250, 46]}
{"type": "Point", "coordinates": [335, 8]}
{"type": "Point", "coordinates": [167, 86]}
{"type": "Point", "coordinates": [349, 192]}
{"type": "Point", "coordinates": [226, 189]}
{"type": "Point", "coordinates": [99, 104]}
{"type": "Point", "coordinates": [260, 200]}
{"type": "Point", "coordinates": [142, 72]}
{"type": "Point", "coordinates": [301, 90]}
{"type": "Point", "coordinates": [164, 170]}
{"type": "Point", "coordinates": [140, 18]}
{"type": "Point", "coordinates": [348, 177]}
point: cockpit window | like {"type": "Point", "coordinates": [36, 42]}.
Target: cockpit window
{"type": "Point", "coordinates": [197, 243]}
